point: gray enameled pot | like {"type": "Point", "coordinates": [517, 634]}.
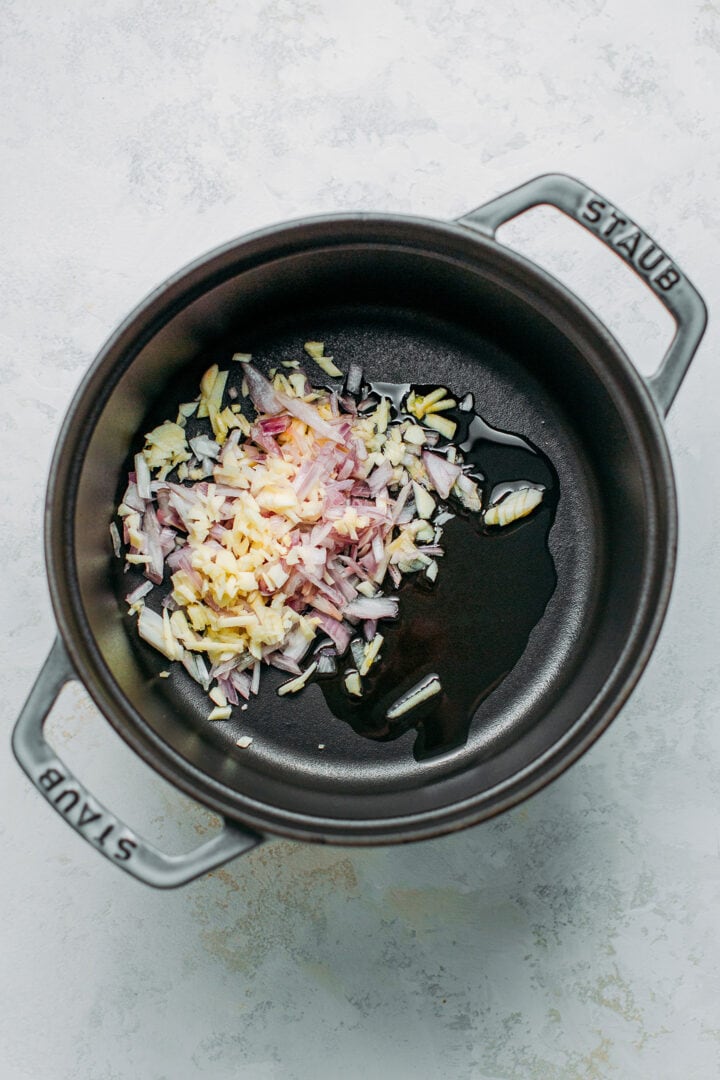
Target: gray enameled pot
{"type": "Point", "coordinates": [421, 301]}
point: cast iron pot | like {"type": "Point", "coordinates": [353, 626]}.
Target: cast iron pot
{"type": "Point", "coordinates": [423, 301]}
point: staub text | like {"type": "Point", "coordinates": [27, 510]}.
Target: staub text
{"type": "Point", "coordinates": [99, 828]}
{"type": "Point", "coordinates": [630, 242]}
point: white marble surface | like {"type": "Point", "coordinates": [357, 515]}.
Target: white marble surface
{"type": "Point", "coordinates": [576, 937]}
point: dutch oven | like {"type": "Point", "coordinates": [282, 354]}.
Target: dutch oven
{"type": "Point", "coordinates": [422, 301]}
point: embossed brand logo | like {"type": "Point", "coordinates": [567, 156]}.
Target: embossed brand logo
{"type": "Point", "coordinates": [631, 242]}
{"type": "Point", "coordinates": [72, 801]}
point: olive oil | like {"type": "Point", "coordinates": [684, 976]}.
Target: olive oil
{"type": "Point", "coordinates": [471, 626]}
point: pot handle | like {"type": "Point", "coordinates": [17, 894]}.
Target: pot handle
{"type": "Point", "coordinates": [617, 230]}
{"type": "Point", "coordinates": [87, 815]}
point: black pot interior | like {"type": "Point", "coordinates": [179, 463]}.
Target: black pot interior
{"type": "Point", "coordinates": [412, 303]}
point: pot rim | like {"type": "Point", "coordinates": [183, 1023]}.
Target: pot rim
{"type": "Point", "coordinates": [126, 342]}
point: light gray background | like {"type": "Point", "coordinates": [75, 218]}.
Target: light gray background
{"type": "Point", "coordinates": [576, 936]}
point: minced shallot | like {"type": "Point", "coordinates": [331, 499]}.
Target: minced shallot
{"type": "Point", "coordinates": [277, 528]}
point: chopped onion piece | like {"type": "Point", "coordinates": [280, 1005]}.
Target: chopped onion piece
{"type": "Point", "coordinates": [424, 502]}
{"type": "Point", "coordinates": [284, 663]}
{"type": "Point", "coordinates": [150, 627]}
{"type": "Point", "coordinates": [357, 649]}
{"type": "Point", "coordinates": [242, 683]}
{"type": "Point", "coordinates": [336, 630]}
{"type": "Point", "coordinates": [294, 685]}
{"type": "Point", "coordinates": [425, 533]}
{"type": "Point", "coordinates": [353, 380]}
{"type": "Point", "coordinates": [196, 669]}
{"type": "Point", "coordinates": [204, 447]}
{"type": "Point", "coordinates": [139, 592]}
{"type": "Point", "coordinates": [132, 500]}
{"type": "Point", "coordinates": [517, 504]}
{"type": "Point", "coordinates": [352, 682]}
{"type": "Point", "coordinates": [395, 573]}
{"type": "Point", "coordinates": [400, 502]}
{"type": "Point", "coordinates": [417, 405]}
{"type": "Point", "coordinates": [372, 607]}
{"type": "Point", "coordinates": [441, 424]}
{"type": "Point", "coordinates": [422, 691]}
{"type": "Point", "coordinates": [217, 695]}
{"type": "Point", "coordinates": [116, 542]}
{"type": "Point", "coordinates": [414, 435]}
{"type": "Point", "coordinates": [380, 477]}
{"type": "Point", "coordinates": [372, 648]}
{"type": "Point", "coordinates": [441, 472]}
{"type": "Point", "coordinates": [220, 713]}
{"type": "Point", "coordinates": [468, 493]}
{"type": "Point", "coordinates": [255, 684]}
{"type": "Point", "coordinates": [296, 645]}
{"type": "Point", "coordinates": [316, 350]}
{"type": "Point", "coordinates": [440, 406]}
{"type": "Point", "coordinates": [310, 416]}
{"type": "Point", "coordinates": [326, 664]}
{"type": "Point", "coordinates": [153, 546]}
{"type": "Point", "coordinates": [261, 392]}
{"type": "Point", "coordinates": [142, 477]}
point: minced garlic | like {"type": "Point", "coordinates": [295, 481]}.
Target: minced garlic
{"type": "Point", "coordinates": [316, 349]}
{"type": "Point", "coordinates": [517, 504]}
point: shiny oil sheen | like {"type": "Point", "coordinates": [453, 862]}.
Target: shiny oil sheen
{"type": "Point", "coordinates": [472, 625]}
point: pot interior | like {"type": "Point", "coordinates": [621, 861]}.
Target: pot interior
{"type": "Point", "coordinates": [412, 303]}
